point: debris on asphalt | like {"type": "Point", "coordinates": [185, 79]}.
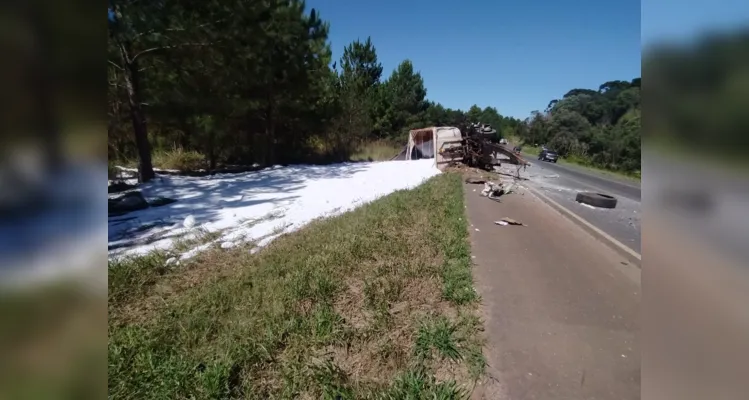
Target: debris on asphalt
{"type": "Point", "coordinates": [551, 176]}
{"type": "Point", "coordinates": [475, 179]}
{"type": "Point", "coordinates": [491, 189]}
{"type": "Point", "coordinates": [509, 221]}
{"type": "Point", "coordinates": [599, 200]}
{"type": "Point", "coordinates": [508, 189]}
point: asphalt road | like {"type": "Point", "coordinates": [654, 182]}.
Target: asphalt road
{"type": "Point", "coordinates": [621, 187]}
{"type": "Point", "coordinates": [561, 309]}
{"type": "Point", "coordinates": [562, 183]}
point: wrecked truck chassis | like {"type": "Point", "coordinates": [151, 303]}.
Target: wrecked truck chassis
{"type": "Point", "coordinates": [478, 152]}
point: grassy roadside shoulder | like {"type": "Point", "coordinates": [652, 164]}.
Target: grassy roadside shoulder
{"type": "Point", "coordinates": [375, 303]}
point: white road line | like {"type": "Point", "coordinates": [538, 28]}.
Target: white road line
{"type": "Point", "coordinates": [587, 224]}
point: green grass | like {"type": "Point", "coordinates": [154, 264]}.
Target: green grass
{"type": "Point", "coordinates": [535, 151]}
{"type": "Point", "coordinates": [375, 303]}
{"type": "Point", "coordinates": [376, 151]}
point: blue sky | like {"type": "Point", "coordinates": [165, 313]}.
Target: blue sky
{"type": "Point", "coordinates": [513, 55]}
{"type": "Point", "coordinates": [683, 20]}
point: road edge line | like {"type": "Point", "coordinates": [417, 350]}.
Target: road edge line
{"type": "Point", "coordinates": [602, 236]}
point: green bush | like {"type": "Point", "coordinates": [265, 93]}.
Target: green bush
{"type": "Point", "coordinates": [179, 159]}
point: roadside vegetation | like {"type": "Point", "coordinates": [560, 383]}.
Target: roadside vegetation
{"type": "Point", "coordinates": [231, 101]}
{"type": "Point", "coordinates": [381, 150]}
{"type": "Point", "coordinates": [594, 128]}
{"type": "Point", "coordinates": [585, 164]}
{"type": "Point", "coordinates": [375, 303]}
{"type": "Point", "coordinates": [204, 108]}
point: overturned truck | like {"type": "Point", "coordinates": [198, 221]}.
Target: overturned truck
{"type": "Point", "coordinates": [474, 146]}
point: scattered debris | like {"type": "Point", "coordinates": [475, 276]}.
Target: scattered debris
{"type": "Point", "coordinates": [495, 190]}
{"type": "Point", "coordinates": [509, 221]}
{"type": "Point", "coordinates": [475, 179]}
{"type": "Point", "coordinates": [508, 189]}
{"type": "Point", "coordinates": [624, 263]}
{"type": "Point", "coordinates": [491, 189]}
{"type": "Point", "coordinates": [551, 176]}
{"type": "Point", "coordinates": [130, 201]}
{"type": "Point", "coordinates": [599, 200]}
{"type": "Point", "coordinates": [475, 148]}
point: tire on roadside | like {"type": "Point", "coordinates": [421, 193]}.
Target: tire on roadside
{"type": "Point", "coordinates": [599, 200]}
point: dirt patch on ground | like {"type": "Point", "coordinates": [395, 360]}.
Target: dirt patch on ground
{"type": "Point", "coordinates": [383, 348]}
{"type": "Point", "coordinates": [350, 305]}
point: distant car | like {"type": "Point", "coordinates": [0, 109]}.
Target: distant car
{"type": "Point", "coordinates": [548, 155]}
{"type": "Point", "coordinates": [503, 141]}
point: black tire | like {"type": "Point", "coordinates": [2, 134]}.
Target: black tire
{"type": "Point", "coordinates": [596, 199]}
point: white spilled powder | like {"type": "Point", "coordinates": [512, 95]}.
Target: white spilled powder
{"type": "Point", "coordinates": [256, 206]}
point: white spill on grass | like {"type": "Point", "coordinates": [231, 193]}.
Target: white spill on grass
{"type": "Point", "coordinates": [254, 206]}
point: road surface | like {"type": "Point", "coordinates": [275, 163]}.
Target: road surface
{"type": "Point", "coordinates": [561, 309]}
{"type": "Point", "coordinates": [562, 182]}
{"type": "Point", "coordinates": [621, 187]}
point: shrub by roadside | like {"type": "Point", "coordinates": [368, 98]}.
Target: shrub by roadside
{"type": "Point", "coordinates": [179, 159]}
{"type": "Point", "coordinates": [375, 303]}
{"type": "Point", "coordinates": [380, 150]}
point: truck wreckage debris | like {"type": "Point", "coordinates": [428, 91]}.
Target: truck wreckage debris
{"type": "Point", "coordinates": [473, 145]}
{"type": "Point", "coordinates": [477, 148]}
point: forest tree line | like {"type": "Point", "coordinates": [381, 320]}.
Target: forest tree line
{"type": "Point", "coordinates": [251, 82]}
{"type": "Point", "coordinates": [598, 127]}
{"type": "Point", "coordinates": [247, 83]}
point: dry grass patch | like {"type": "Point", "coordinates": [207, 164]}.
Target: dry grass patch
{"type": "Point", "coordinates": [369, 304]}
{"type": "Point", "coordinates": [381, 150]}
